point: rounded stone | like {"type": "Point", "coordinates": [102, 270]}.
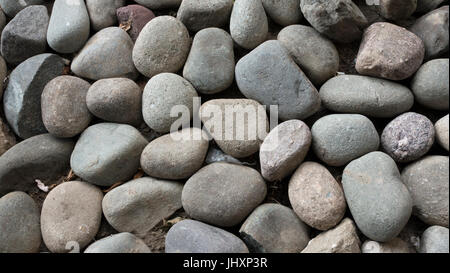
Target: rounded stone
{"type": "Point", "coordinates": [397, 9]}
{"type": "Point", "coordinates": [316, 196]}
{"type": "Point", "coordinates": [71, 215]}
{"type": "Point", "coordinates": [189, 236]}
{"type": "Point", "coordinates": [430, 84]}
{"type": "Point", "coordinates": [12, 7]}
{"type": "Point", "coordinates": [248, 23]}
{"type": "Point", "coordinates": [441, 128]}
{"type": "Point", "coordinates": [427, 181]}
{"type": "Point", "coordinates": [366, 95]}
{"type": "Point", "coordinates": [63, 104]}
{"type": "Point", "coordinates": [162, 93]}
{"type": "Point", "coordinates": [162, 46]}
{"type": "Point", "coordinates": [408, 137]}
{"type": "Point", "coordinates": [434, 240]}
{"type": "Point", "coordinates": [197, 15]}
{"type": "Point", "coordinates": [396, 245]}
{"type": "Point", "coordinates": [223, 194]}
{"type": "Point", "coordinates": [284, 148]}
{"type": "Point", "coordinates": [107, 153]}
{"type": "Point", "coordinates": [210, 64]}
{"type": "Point", "coordinates": [116, 100]}
{"type": "Point", "coordinates": [136, 17]}
{"type": "Point", "coordinates": [284, 12]}
{"type": "Point", "coordinates": [103, 12]}
{"type": "Point", "coordinates": [316, 55]}
{"type": "Point", "coordinates": [19, 223]}
{"type": "Point", "coordinates": [119, 243]}
{"type": "Point", "coordinates": [379, 202]}
{"type": "Point", "coordinates": [340, 138]}
{"type": "Point", "coordinates": [177, 155]}
{"type": "Point", "coordinates": [273, 228]}
{"type": "Point", "coordinates": [159, 4]}
{"type": "Point", "coordinates": [139, 205]}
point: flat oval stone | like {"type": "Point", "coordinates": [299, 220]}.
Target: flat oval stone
{"type": "Point", "coordinates": [397, 9]}
{"type": "Point", "coordinates": [284, 12]}
{"type": "Point", "coordinates": [25, 35]}
{"type": "Point", "coordinates": [69, 26]}
{"type": "Point", "coordinates": [139, 205]}
{"type": "Point", "coordinates": [71, 215]}
{"type": "Point", "coordinates": [378, 200]}
{"type": "Point", "coordinates": [273, 228]}
{"type": "Point", "coordinates": [177, 155]}
{"type": "Point", "coordinates": [42, 157]}
{"type": "Point", "coordinates": [22, 97]}
{"type": "Point", "coordinates": [108, 54]}
{"type": "Point", "coordinates": [189, 236]}
{"type": "Point", "coordinates": [390, 52]}
{"type": "Point", "coordinates": [284, 149]}
{"type": "Point", "coordinates": [63, 104]}
{"type": "Point", "coordinates": [159, 4]}
{"type": "Point", "coordinates": [408, 137]}
{"type": "Point", "coordinates": [136, 17]}
{"type": "Point", "coordinates": [364, 95]}
{"type": "Point", "coordinates": [161, 94]}
{"type": "Point", "coordinates": [427, 181]}
{"type": "Point", "coordinates": [316, 196]}
{"type": "Point", "coordinates": [103, 12]}
{"type": "Point", "coordinates": [429, 85]}
{"type": "Point", "coordinates": [19, 223]}
{"type": "Point", "coordinates": [434, 240]}
{"type": "Point", "coordinates": [7, 137]}
{"type": "Point", "coordinates": [269, 75]}
{"type": "Point", "coordinates": [107, 153]}
{"type": "Point", "coordinates": [441, 128]}
{"type": "Point", "coordinates": [116, 100]}
{"type": "Point", "coordinates": [197, 15]}
{"type": "Point", "coordinates": [210, 64]}
{"type": "Point", "coordinates": [340, 138]}
{"type": "Point", "coordinates": [162, 46]}
{"type": "Point", "coordinates": [223, 194]}
{"type": "Point", "coordinates": [316, 55]}
{"type": "Point", "coordinates": [248, 23]}
{"type": "Point", "coordinates": [12, 7]}
{"type": "Point", "coordinates": [124, 242]}
{"type": "Point", "coordinates": [396, 245]}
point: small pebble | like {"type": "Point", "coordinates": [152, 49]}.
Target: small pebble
{"type": "Point", "coordinates": [442, 136]}
{"type": "Point", "coordinates": [434, 240]}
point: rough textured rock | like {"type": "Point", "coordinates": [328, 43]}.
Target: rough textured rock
{"type": "Point", "coordinates": [162, 46]}
{"type": "Point", "coordinates": [7, 138]}
{"type": "Point", "coordinates": [107, 54]}
{"type": "Point", "coordinates": [236, 135]}
{"type": "Point", "coordinates": [22, 97]}
{"type": "Point", "coordinates": [210, 64]}
{"type": "Point", "coordinates": [284, 149]}
{"type": "Point", "coordinates": [107, 153]}
{"type": "Point", "coordinates": [71, 215]}
{"type": "Point", "coordinates": [408, 137]}
{"type": "Point", "coordinates": [162, 93]}
{"type": "Point", "coordinates": [197, 15]}
{"type": "Point", "coordinates": [441, 128]}
{"type": "Point", "coordinates": [434, 240]}
{"type": "Point", "coordinates": [223, 194]}
{"type": "Point", "coordinates": [427, 181]}
{"type": "Point", "coordinates": [248, 23]}
{"type": "Point", "coordinates": [389, 51]}
{"type": "Point", "coordinates": [63, 104]}
{"type": "Point", "coordinates": [69, 26]}
{"type": "Point", "coordinates": [341, 239]}
{"type": "Point", "coordinates": [397, 9]}
{"type": "Point", "coordinates": [116, 100]}
{"type": "Point", "coordinates": [427, 5]}
{"type": "Point", "coordinates": [366, 95]}
{"type": "Point", "coordinates": [103, 12]}
{"type": "Point", "coordinates": [316, 196]}
{"type": "Point", "coordinates": [177, 155]}
{"type": "Point", "coordinates": [12, 7]}
{"type": "Point", "coordinates": [432, 28]}
{"type": "Point", "coordinates": [136, 17]}
{"type": "Point", "coordinates": [273, 228]}
{"type": "Point", "coordinates": [189, 236]}
{"type": "Point", "coordinates": [19, 223]}
{"type": "Point", "coordinates": [316, 55]}
{"type": "Point", "coordinates": [159, 4]}
{"type": "Point", "coordinates": [430, 86]}
{"type": "Point", "coordinates": [340, 20]}
{"type": "Point", "coordinates": [139, 205]}
{"type": "Point", "coordinates": [378, 200]}
{"type": "Point", "coordinates": [284, 12]}
{"type": "Point", "coordinates": [42, 157]}
{"type": "Point", "coordinates": [357, 137]}
{"type": "Point", "coordinates": [119, 243]}
{"type": "Point", "coordinates": [25, 35]}
{"type": "Point", "coordinates": [396, 245]}
{"type": "Point", "coordinates": [269, 76]}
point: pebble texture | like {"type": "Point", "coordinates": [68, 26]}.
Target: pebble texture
{"type": "Point", "coordinates": [223, 194]}
{"type": "Point", "coordinates": [135, 17]}
{"type": "Point", "coordinates": [442, 136]}
{"type": "Point", "coordinates": [197, 15]}
{"type": "Point", "coordinates": [378, 200]}
{"type": "Point", "coordinates": [408, 137]}
{"type": "Point", "coordinates": [434, 240]}
{"type": "Point", "coordinates": [12, 7]}
{"type": "Point", "coordinates": [103, 12]}
{"type": "Point", "coordinates": [189, 236]}
{"type": "Point", "coordinates": [124, 242]}
{"type": "Point", "coordinates": [284, 12]}
{"type": "Point", "coordinates": [397, 9]}
{"type": "Point", "coordinates": [396, 245]}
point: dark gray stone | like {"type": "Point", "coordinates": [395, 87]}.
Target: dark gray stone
{"type": "Point", "coordinates": [119, 243]}
{"type": "Point", "coordinates": [427, 5]}
{"type": "Point", "coordinates": [103, 12]}
{"type": "Point", "coordinates": [397, 9]}
{"type": "Point", "coordinates": [248, 23]}
{"type": "Point", "coordinates": [12, 7]}
{"type": "Point", "coordinates": [197, 15]}
{"type": "Point", "coordinates": [434, 240]}
{"type": "Point", "coordinates": [284, 12]}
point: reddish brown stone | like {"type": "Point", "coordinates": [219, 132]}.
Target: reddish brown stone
{"type": "Point", "coordinates": [133, 18]}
